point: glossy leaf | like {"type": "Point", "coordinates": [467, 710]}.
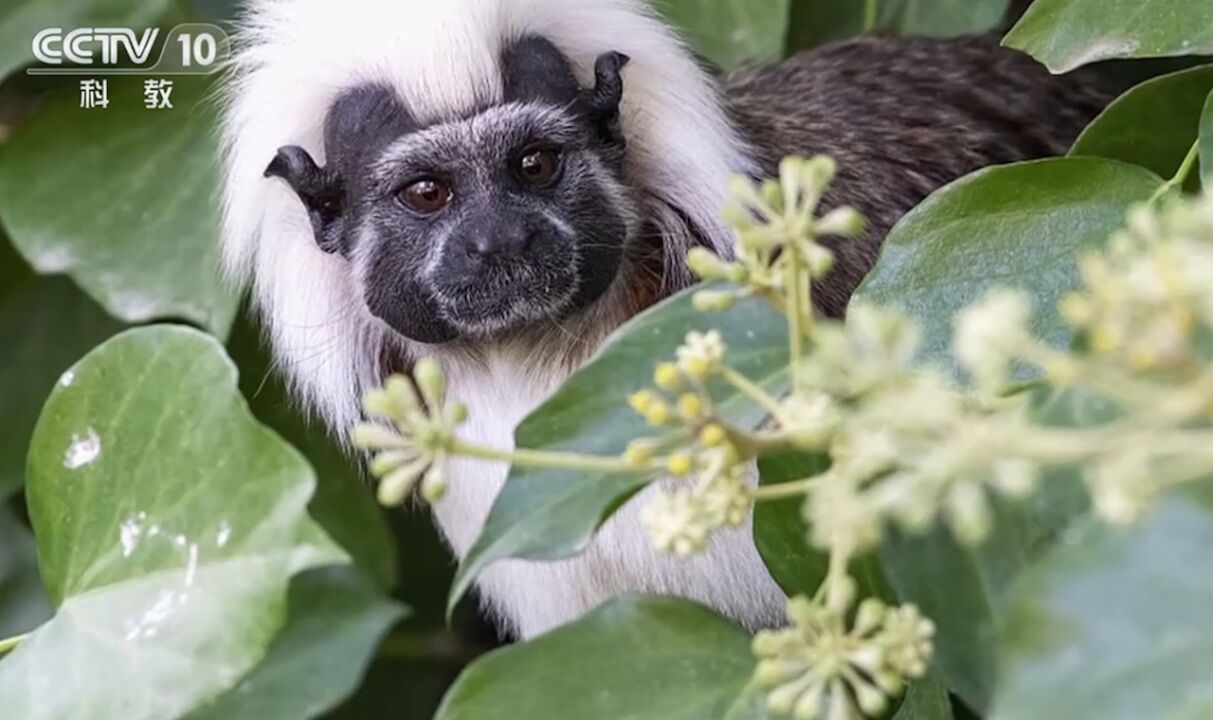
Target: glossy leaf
{"type": "Point", "coordinates": [814, 22]}
{"type": "Point", "coordinates": [1154, 124]}
{"type": "Point", "coordinates": [551, 514]}
{"type": "Point", "coordinates": [1020, 226]}
{"type": "Point", "coordinates": [780, 532]}
{"type": "Point", "coordinates": [169, 526]}
{"type": "Point", "coordinates": [1066, 34]}
{"type": "Point", "coordinates": [21, 20]}
{"type": "Point", "coordinates": [344, 503]}
{"type": "Point", "coordinates": [121, 199]}
{"type": "Point", "coordinates": [336, 620]}
{"type": "Point", "coordinates": [926, 699]}
{"type": "Point", "coordinates": [636, 658]}
{"type": "Point", "coordinates": [23, 602]}
{"type": "Point", "coordinates": [731, 32]}
{"type": "Point", "coordinates": [46, 325]}
{"type": "Point", "coordinates": [1115, 625]}
{"type": "Point", "coordinates": [782, 536]}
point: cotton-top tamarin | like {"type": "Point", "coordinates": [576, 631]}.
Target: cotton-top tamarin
{"type": "Point", "coordinates": [501, 183]}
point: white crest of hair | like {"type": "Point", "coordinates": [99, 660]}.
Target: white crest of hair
{"type": "Point", "coordinates": [294, 58]}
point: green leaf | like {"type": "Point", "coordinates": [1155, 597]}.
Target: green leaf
{"type": "Point", "coordinates": [1020, 226]}
{"type": "Point", "coordinates": [46, 324]}
{"type": "Point", "coordinates": [337, 619]}
{"type": "Point", "coordinates": [169, 525]}
{"type": "Point", "coordinates": [635, 658]}
{"type": "Point", "coordinates": [927, 699]}
{"type": "Point", "coordinates": [941, 18]}
{"type": "Point", "coordinates": [344, 503]}
{"type": "Point", "coordinates": [780, 532]}
{"type": "Point", "coordinates": [815, 22]}
{"type": "Point", "coordinates": [964, 590]}
{"type": "Point", "coordinates": [730, 33]}
{"type": "Point", "coordinates": [782, 536]}
{"type": "Point", "coordinates": [23, 602]}
{"type": "Point", "coordinates": [1206, 144]}
{"type": "Point", "coordinates": [138, 229]}
{"type": "Point", "coordinates": [1066, 34]}
{"type": "Point", "coordinates": [21, 20]}
{"type": "Point", "coordinates": [551, 514]}
{"type": "Point", "coordinates": [1152, 125]}
{"type": "Point", "coordinates": [1115, 624]}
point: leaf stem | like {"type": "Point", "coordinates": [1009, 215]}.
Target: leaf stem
{"type": "Point", "coordinates": [870, 13]}
{"type": "Point", "coordinates": [751, 390]}
{"type": "Point", "coordinates": [795, 316]}
{"type": "Point", "coordinates": [783, 491]}
{"type": "Point", "coordinates": [1181, 175]}
{"type": "Point", "coordinates": [551, 460]}
{"type": "Point", "coordinates": [9, 644]}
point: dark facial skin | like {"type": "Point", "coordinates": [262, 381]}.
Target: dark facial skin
{"type": "Point", "coordinates": [480, 225]}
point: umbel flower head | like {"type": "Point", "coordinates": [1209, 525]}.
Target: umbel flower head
{"type": "Point", "coordinates": [414, 436]}
{"type": "Point", "coordinates": [1147, 298]}
{"type": "Point", "coordinates": [777, 230]}
{"type": "Point", "coordinates": [824, 667]}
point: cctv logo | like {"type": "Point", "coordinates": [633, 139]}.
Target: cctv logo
{"type": "Point", "coordinates": [79, 47]}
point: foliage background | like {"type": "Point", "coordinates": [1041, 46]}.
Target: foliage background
{"type": "Point", "coordinates": [109, 222]}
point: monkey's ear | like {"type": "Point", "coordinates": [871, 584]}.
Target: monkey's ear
{"type": "Point", "coordinates": [321, 191]}
{"type": "Point", "coordinates": [533, 69]}
{"type": "Point", "coordinates": [602, 101]}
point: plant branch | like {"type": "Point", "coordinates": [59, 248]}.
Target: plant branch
{"type": "Point", "coordinates": [1181, 175]}
{"type": "Point", "coordinates": [551, 460]}
{"type": "Point", "coordinates": [751, 390]}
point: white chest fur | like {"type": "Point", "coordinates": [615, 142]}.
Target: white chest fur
{"type": "Point", "coordinates": [530, 598]}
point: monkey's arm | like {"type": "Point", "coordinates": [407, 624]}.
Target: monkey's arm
{"type": "Point", "coordinates": [903, 117]}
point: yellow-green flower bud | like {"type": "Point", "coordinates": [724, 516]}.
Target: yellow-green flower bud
{"type": "Point", "coordinates": [668, 377]}
{"type": "Point", "coordinates": [657, 414]}
{"type": "Point", "coordinates": [709, 301]}
{"type": "Point", "coordinates": [402, 394]}
{"type": "Point", "coordinates": [844, 221]}
{"type": "Point", "coordinates": [643, 400]}
{"type": "Point", "coordinates": [768, 673]}
{"type": "Point", "coordinates": [713, 435]}
{"type": "Point", "coordinates": [640, 452]}
{"type": "Point", "coordinates": [698, 368]}
{"type": "Point", "coordinates": [376, 437]}
{"type": "Point", "coordinates": [820, 260]}
{"type": "Point", "coordinates": [431, 380]}
{"type": "Point", "coordinates": [690, 407]}
{"type": "Point", "coordinates": [388, 462]}
{"type": "Point", "coordinates": [772, 194]}
{"type": "Point", "coordinates": [377, 403]}
{"type": "Point", "coordinates": [680, 465]}
{"type": "Point", "coordinates": [706, 264]}
{"type": "Point", "coordinates": [457, 414]}
{"type": "Point", "coordinates": [396, 487]}
{"type": "Point", "coordinates": [434, 486]}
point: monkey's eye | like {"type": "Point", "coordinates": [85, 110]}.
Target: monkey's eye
{"type": "Point", "coordinates": [538, 168]}
{"type": "Point", "coordinates": [427, 196]}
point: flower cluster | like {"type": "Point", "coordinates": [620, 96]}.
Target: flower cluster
{"type": "Point", "coordinates": [714, 492]}
{"type": "Point", "coordinates": [777, 231]}
{"type": "Point", "coordinates": [420, 436]}
{"type": "Point", "coordinates": [822, 666]}
{"type": "Point", "coordinates": [1147, 297]}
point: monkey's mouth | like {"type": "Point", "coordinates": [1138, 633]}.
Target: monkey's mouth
{"type": "Point", "coordinates": [506, 301]}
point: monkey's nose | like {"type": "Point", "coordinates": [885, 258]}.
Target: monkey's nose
{"type": "Point", "coordinates": [499, 242]}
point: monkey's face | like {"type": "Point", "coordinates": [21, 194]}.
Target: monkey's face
{"type": "Point", "coordinates": [477, 225]}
